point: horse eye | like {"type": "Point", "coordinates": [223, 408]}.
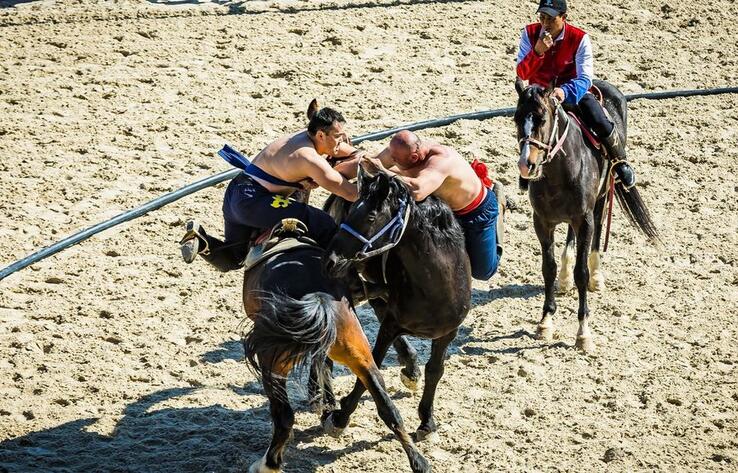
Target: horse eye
{"type": "Point", "coordinates": [372, 216]}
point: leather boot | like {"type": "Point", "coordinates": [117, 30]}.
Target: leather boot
{"type": "Point", "coordinates": [224, 257]}
{"type": "Point", "coordinates": [616, 151]}
{"type": "Point", "coordinates": [362, 290]}
{"type": "Point", "coordinates": [194, 242]}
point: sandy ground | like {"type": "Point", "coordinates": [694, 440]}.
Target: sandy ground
{"type": "Point", "coordinates": [116, 356]}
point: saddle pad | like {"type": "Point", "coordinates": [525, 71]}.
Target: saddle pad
{"type": "Point", "coordinates": [261, 252]}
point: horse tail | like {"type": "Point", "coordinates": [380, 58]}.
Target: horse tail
{"type": "Point", "coordinates": [630, 201]}
{"type": "Point", "coordinates": [291, 332]}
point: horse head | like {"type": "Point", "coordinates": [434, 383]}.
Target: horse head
{"type": "Point", "coordinates": [375, 222]}
{"type": "Point", "coordinates": [535, 120]}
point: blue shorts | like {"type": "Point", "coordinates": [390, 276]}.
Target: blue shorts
{"type": "Point", "coordinates": [480, 234]}
{"type": "Point", "coordinates": [247, 205]}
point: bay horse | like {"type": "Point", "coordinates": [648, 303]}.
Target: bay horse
{"type": "Point", "coordinates": [567, 179]}
{"type": "Point", "coordinates": [300, 317]}
{"type": "Point", "coordinates": [418, 249]}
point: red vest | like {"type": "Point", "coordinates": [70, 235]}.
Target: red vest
{"type": "Point", "coordinates": [558, 64]}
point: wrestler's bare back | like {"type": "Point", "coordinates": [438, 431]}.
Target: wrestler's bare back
{"type": "Point", "coordinates": [461, 185]}
{"type": "Point", "coordinates": [280, 158]}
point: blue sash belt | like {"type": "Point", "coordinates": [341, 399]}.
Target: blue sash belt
{"type": "Point", "coordinates": [238, 160]}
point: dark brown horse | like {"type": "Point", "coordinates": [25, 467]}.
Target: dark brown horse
{"type": "Point", "coordinates": [300, 318]}
{"type": "Point", "coordinates": [418, 249]}
{"type": "Point", "coordinates": [567, 179]}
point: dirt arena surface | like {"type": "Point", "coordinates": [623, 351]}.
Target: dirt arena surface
{"type": "Point", "coordinates": [116, 356]}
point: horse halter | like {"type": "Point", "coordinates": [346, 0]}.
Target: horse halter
{"type": "Point", "coordinates": [550, 150]}
{"type": "Point", "coordinates": [395, 227]}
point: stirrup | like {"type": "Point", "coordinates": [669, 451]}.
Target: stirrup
{"type": "Point", "coordinates": [503, 199]}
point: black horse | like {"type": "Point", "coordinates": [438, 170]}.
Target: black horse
{"type": "Point", "coordinates": [418, 249]}
{"type": "Point", "coordinates": [567, 179]}
{"type": "Point", "coordinates": [302, 317]}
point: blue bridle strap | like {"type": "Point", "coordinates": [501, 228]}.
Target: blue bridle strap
{"type": "Point", "coordinates": [398, 222]}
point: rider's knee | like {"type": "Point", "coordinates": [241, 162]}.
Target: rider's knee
{"type": "Point", "coordinates": [485, 272]}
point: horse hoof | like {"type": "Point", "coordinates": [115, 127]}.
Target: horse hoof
{"type": "Point", "coordinates": [330, 428]}
{"type": "Point", "coordinates": [422, 435]}
{"type": "Point", "coordinates": [586, 344]}
{"type": "Point", "coordinates": [261, 467]}
{"type": "Point", "coordinates": [420, 465]}
{"type": "Point", "coordinates": [410, 383]}
{"type": "Point", "coordinates": [544, 333]}
{"type": "Point", "coordinates": [596, 284]}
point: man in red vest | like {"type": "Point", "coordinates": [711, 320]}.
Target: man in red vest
{"type": "Point", "coordinates": [554, 52]}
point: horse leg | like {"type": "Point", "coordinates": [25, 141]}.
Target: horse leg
{"type": "Point", "coordinates": [433, 373]}
{"type": "Point", "coordinates": [406, 354]}
{"type": "Point", "coordinates": [352, 349]}
{"type": "Point", "coordinates": [282, 420]}
{"type": "Point", "coordinates": [581, 276]}
{"type": "Point", "coordinates": [596, 276]}
{"type": "Point", "coordinates": [546, 238]}
{"type": "Point", "coordinates": [335, 422]}
{"type": "Point", "coordinates": [320, 386]}
{"type": "Point", "coordinates": [566, 275]}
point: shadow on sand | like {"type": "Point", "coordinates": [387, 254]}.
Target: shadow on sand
{"type": "Point", "coordinates": [12, 3]}
{"type": "Point", "coordinates": [236, 7]}
{"type": "Point", "coordinates": [189, 439]}
{"type": "Point", "coordinates": [213, 438]}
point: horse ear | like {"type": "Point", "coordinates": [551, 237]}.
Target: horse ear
{"type": "Point", "coordinates": [363, 176]}
{"type": "Point", "coordinates": [382, 186]}
{"type": "Point", "coordinates": [369, 167]}
{"type": "Point", "coordinates": [360, 173]}
{"type": "Point", "coordinates": [549, 90]}
{"type": "Point", "coordinates": [519, 86]}
{"type": "Point", "coordinates": [312, 108]}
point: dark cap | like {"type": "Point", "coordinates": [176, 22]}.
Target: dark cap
{"type": "Point", "coordinates": [552, 7]}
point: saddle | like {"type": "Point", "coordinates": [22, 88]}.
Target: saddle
{"type": "Point", "coordinates": [287, 235]}
{"type": "Point", "coordinates": [588, 133]}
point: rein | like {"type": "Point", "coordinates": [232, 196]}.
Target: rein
{"type": "Point", "coordinates": [550, 150]}
{"type": "Point", "coordinates": [395, 227]}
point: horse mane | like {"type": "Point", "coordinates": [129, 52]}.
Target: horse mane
{"type": "Point", "coordinates": [432, 218]}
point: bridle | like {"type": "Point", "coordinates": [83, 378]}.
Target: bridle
{"type": "Point", "coordinates": [550, 149]}
{"type": "Point", "coordinates": [395, 227]}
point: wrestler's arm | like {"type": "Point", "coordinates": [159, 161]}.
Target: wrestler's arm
{"type": "Point", "coordinates": [346, 160]}
{"type": "Point", "coordinates": [318, 169]}
{"type": "Point", "coordinates": [427, 180]}
{"type": "Point", "coordinates": [426, 183]}
{"type": "Point", "coordinates": [385, 157]}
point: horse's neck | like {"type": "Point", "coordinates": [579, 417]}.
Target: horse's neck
{"type": "Point", "coordinates": [414, 247]}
